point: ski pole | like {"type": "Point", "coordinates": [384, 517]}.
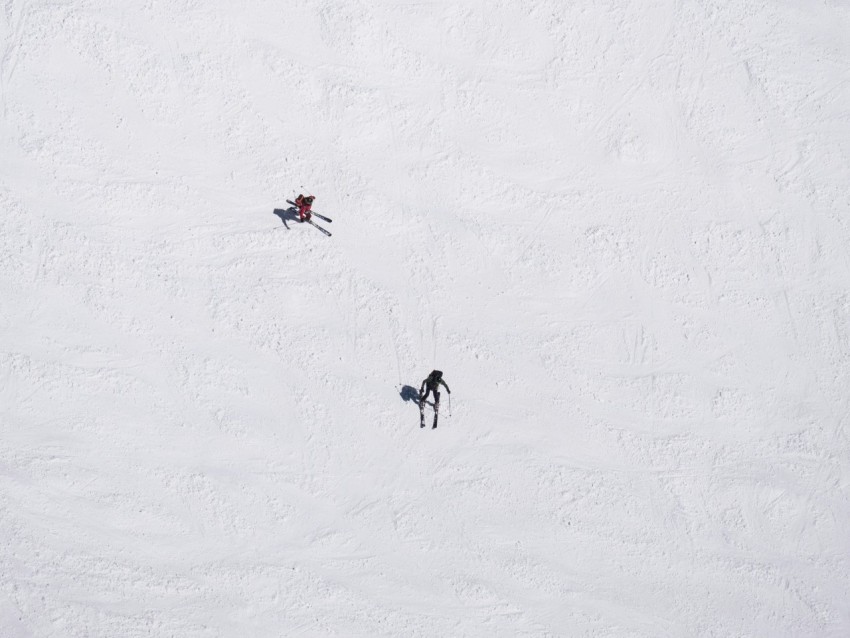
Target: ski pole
{"type": "Point", "coordinates": [450, 403]}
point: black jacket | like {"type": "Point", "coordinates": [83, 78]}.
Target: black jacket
{"type": "Point", "coordinates": [433, 384]}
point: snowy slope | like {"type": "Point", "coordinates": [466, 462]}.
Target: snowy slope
{"type": "Point", "coordinates": [620, 228]}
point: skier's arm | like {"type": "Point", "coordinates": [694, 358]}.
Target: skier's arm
{"type": "Point", "coordinates": [445, 386]}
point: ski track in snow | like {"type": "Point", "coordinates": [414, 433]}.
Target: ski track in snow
{"type": "Point", "coordinates": [620, 229]}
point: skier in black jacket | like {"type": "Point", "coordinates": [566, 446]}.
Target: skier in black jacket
{"type": "Point", "coordinates": [429, 385]}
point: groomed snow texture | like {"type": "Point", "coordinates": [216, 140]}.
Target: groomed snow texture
{"type": "Point", "coordinates": [620, 228]}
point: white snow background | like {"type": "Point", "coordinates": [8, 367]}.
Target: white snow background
{"type": "Point", "coordinates": [620, 228]}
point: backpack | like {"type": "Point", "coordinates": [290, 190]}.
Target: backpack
{"type": "Point", "coordinates": [435, 376]}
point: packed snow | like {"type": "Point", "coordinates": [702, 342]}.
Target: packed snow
{"type": "Point", "coordinates": [620, 228]}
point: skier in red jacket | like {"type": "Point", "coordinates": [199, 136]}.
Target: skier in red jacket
{"type": "Point", "coordinates": [304, 204]}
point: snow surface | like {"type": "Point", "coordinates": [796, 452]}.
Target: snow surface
{"type": "Point", "coordinates": [620, 228]}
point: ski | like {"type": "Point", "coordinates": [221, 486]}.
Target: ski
{"type": "Point", "coordinates": [315, 214]}
{"type": "Point", "coordinates": [436, 414]}
{"type": "Point", "coordinates": [315, 225]}
{"type": "Point", "coordinates": [320, 216]}
{"type": "Point", "coordinates": [421, 414]}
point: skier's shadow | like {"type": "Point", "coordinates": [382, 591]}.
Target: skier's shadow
{"type": "Point", "coordinates": [289, 214]}
{"type": "Point", "coordinates": [409, 393]}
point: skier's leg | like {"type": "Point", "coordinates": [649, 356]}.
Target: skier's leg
{"type": "Point", "coordinates": [422, 408]}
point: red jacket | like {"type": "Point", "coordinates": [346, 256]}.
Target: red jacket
{"type": "Point", "coordinates": [304, 204]}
